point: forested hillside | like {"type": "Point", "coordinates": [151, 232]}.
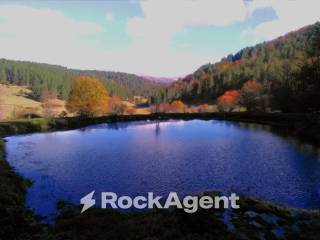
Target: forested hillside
{"type": "Point", "coordinates": [286, 71]}
{"type": "Point", "coordinates": [56, 79]}
{"type": "Point", "coordinates": [288, 68]}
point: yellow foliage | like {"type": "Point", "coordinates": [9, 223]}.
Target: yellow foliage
{"type": "Point", "coordinates": [88, 97]}
{"type": "Point", "coordinates": [178, 106]}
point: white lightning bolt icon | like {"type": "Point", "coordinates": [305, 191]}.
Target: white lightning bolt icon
{"type": "Point", "coordinates": [87, 201]}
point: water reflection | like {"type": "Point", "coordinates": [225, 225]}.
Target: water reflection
{"type": "Point", "coordinates": [283, 132]}
{"type": "Point", "coordinates": [157, 131]}
{"type": "Point", "coordinates": [185, 156]}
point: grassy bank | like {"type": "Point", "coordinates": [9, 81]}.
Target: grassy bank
{"type": "Point", "coordinates": [303, 126]}
{"type": "Point", "coordinates": [255, 218]}
{"type": "Point", "coordinates": [16, 221]}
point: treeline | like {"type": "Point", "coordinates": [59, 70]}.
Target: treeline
{"type": "Point", "coordinates": [287, 67]}
{"type": "Point", "coordinates": [58, 80]}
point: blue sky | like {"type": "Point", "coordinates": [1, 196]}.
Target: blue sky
{"type": "Point", "coordinates": [158, 38]}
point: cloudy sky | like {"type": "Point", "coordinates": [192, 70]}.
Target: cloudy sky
{"type": "Point", "coordinates": [166, 38]}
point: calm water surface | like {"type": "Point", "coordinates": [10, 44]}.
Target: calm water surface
{"type": "Point", "coordinates": [182, 156]}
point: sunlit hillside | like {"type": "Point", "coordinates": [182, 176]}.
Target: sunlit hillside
{"type": "Point", "coordinates": [18, 100]}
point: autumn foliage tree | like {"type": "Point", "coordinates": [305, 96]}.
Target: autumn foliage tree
{"type": "Point", "coordinates": [116, 107]}
{"type": "Point", "coordinates": [204, 108]}
{"type": "Point", "coordinates": [252, 96]}
{"type": "Point", "coordinates": [228, 101]}
{"type": "Point", "coordinates": [88, 97]}
{"type": "Point", "coordinates": [178, 106]}
{"type": "Point", "coordinates": [161, 107]}
{"type": "Point", "coordinates": [175, 106]}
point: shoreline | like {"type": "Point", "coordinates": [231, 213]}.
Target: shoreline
{"type": "Point", "coordinates": [19, 219]}
{"type": "Point", "coordinates": [305, 127]}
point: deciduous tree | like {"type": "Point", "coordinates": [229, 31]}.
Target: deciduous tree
{"type": "Point", "coordinates": [252, 96]}
{"type": "Point", "coordinates": [204, 108]}
{"type": "Point", "coordinates": [228, 101]}
{"type": "Point", "coordinates": [160, 107]}
{"type": "Point", "coordinates": [178, 106]}
{"type": "Point", "coordinates": [116, 107]}
{"type": "Point", "coordinates": [88, 97]}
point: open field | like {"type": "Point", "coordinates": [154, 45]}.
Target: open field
{"type": "Point", "coordinates": [18, 100]}
{"type": "Point", "coordinates": [130, 105]}
{"type": "Point", "coordinates": [14, 98]}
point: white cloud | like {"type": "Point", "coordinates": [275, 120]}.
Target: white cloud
{"type": "Point", "coordinates": [161, 20]}
{"type": "Point", "coordinates": [109, 17]}
{"type": "Point", "coordinates": [291, 15]}
{"type": "Point", "coordinates": [44, 35]}
{"type": "Point", "coordinates": [257, 4]}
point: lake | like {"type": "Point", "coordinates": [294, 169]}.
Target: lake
{"type": "Point", "coordinates": [182, 156]}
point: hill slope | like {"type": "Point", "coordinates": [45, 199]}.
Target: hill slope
{"type": "Point", "coordinates": [57, 79]}
{"type": "Point", "coordinates": [277, 64]}
{"type": "Point", "coordinates": [16, 101]}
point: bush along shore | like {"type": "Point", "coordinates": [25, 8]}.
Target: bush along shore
{"type": "Point", "coordinates": [256, 219]}
{"type": "Point", "coordinates": [305, 127]}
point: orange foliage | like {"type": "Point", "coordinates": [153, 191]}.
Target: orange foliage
{"type": "Point", "coordinates": [178, 106]}
{"type": "Point", "coordinates": [161, 107]}
{"type": "Point", "coordinates": [252, 86]}
{"type": "Point", "coordinates": [204, 108]}
{"type": "Point", "coordinates": [112, 102]}
{"type": "Point", "coordinates": [252, 96]}
{"type": "Point", "coordinates": [131, 111]}
{"type": "Point", "coordinates": [228, 101]}
{"type": "Point", "coordinates": [116, 106]}
{"type": "Point", "coordinates": [88, 97]}
{"type": "Point", "coordinates": [175, 106]}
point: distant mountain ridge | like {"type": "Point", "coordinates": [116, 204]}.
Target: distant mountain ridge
{"type": "Point", "coordinates": [164, 80]}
